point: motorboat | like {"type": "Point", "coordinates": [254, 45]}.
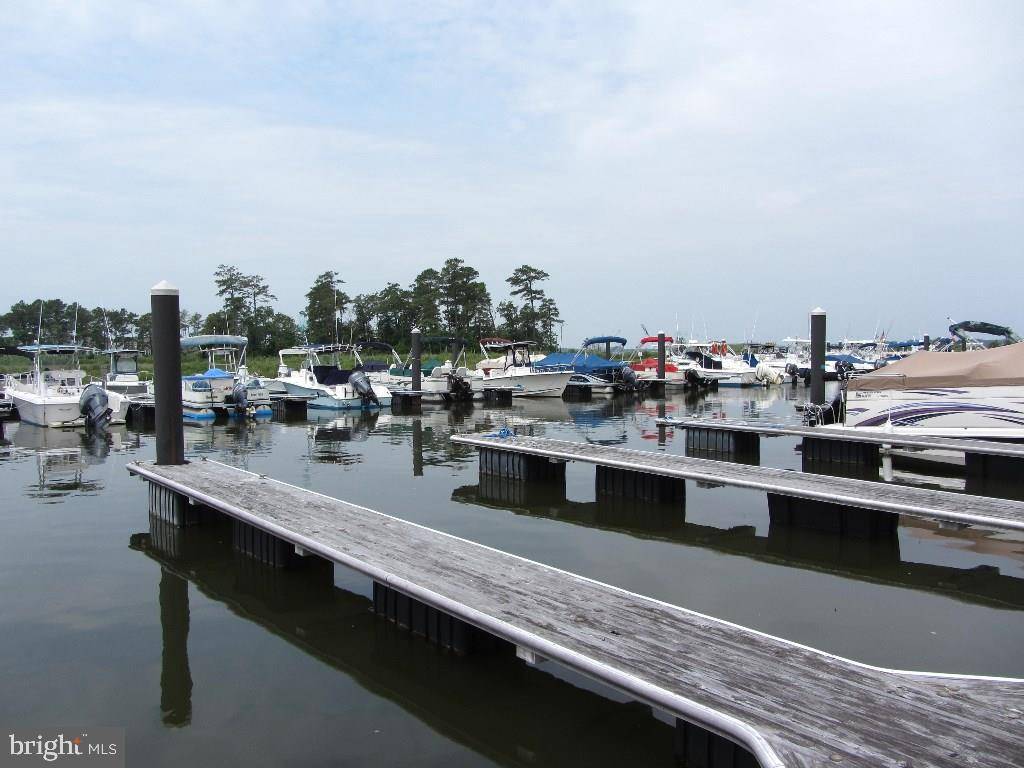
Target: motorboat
{"type": "Point", "coordinates": [977, 393]}
{"type": "Point", "coordinates": [326, 386]}
{"type": "Point", "coordinates": [493, 350]}
{"type": "Point", "coordinates": [440, 382]}
{"type": "Point", "coordinates": [226, 387]}
{"type": "Point", "coordinates": [61, 397]}
{"type": "Point", "coordinates": [602, 375]}
{"type": "Point", "coordinates": [518, 373]}
{"type": "Point", "coordinates": [123, 374]}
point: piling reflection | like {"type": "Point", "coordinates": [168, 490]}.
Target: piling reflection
{"type": "Point", "coordinates": [494, 704]}
{"type": "Point", "coordinates": [175, 676]}
{"type": "Point", "coordinates": [864, 558]}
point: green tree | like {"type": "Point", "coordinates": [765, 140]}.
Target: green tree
{"type": "Point", "coordinates": [144, 333]}
{"type": "Point", "coordinates": [232, 288]}
{"type": "Point", "coordinates": [464, 299]}
{"type": "Point", "coordinates": [536, 318]}
{"type": "Point", "coordinates": [425, 301]}
{"type": "Point", "coordinates": [325, 306]}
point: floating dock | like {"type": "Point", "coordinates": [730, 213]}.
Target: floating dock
{"type": "Point", "coordinates": [783, 704]}
{"type": "Point", "coordinates": [626, 471]}
{"type": "Point", "coordinates": [830, 444]}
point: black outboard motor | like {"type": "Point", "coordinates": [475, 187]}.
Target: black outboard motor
{"type": "Point", "coordinates": [628, 376]}
{"type": "Point", "coordinates": [93, 405]}
{"type": "Point", "coordinates": [361, 384]}
{"type": "Point", "coordinates": [240, 397]}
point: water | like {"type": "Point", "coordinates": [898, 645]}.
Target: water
{"type": "Point", "coordinates": [208, 658]}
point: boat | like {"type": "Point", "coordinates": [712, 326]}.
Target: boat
{"type": "Point", "coordinates": [123, 374]}
{"type": "Point", "coordinates": [226, 387]}
{"type": "Point", "coordinates": [327, 387]}
{"type": "Point", "coordinates": [602, 375]}
{"type": "Point", "coordinates": [440, 382]}
{"type": "Point", "coordinates": [978, 393]}
{"type": "Point", "coordinates": [518, 373]}
{"type": "Point", "coordinates": [493, 350]}
{"type": "Point", "coordinates": [61, 397]}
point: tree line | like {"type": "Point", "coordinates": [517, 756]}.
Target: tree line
{"type": "Point", "coordinates": [449, 301]}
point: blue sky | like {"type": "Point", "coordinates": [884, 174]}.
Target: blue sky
{"type": "Point", "coordinates": [719, 163]}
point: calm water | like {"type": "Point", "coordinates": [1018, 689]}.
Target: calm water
{"type": "Point", "coordinates": [206, 658]}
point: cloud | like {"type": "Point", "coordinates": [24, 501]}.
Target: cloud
{"type": "Point", "coordinates": [721, 160]}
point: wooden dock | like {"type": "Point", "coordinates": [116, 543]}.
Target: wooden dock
{"type": "Point", "coordinates": [787, 704]}
{"type": "Point", "coordinates": [837, 491]}
{"type": "Point", "coordinates": [965, 445]}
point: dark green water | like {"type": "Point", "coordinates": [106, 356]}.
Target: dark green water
{"type": "Point", "coordinates": [206, 658]}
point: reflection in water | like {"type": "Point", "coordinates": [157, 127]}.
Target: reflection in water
{"type": "Point", "coordinates": [62, 457]}
{"type": "Point", "coordinates": [175, 676]}
{"type": "Point", "coordinates": [877, 560]}
{"type": "Point", "coordinates": [494, 704]}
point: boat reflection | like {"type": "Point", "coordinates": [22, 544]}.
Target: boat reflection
{"type": "Point", "coordinates": [62, 457]}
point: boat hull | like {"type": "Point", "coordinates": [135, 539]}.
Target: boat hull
{"type": "Point", "coordinates": [61, 411]}
{"type": "Point", "coordinates": [324, 399]}
{"type": "Point", "coordinates": [538, 384]}
{"type": "Point", "coordinates": [984, 412]}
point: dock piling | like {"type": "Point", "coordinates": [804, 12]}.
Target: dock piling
{"type": "Point", "coordinates": [415, 354]}
{"type": "Point", "coordinates": [818, 356]}
{"type": "Point", "coordinates": [927, 345]}
{"type": "Point", "coordinates": [661, 355]}
{"type": "Point", "coordinates": [170, 437]}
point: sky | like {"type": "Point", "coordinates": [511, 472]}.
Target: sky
{"type": "Point", "coordinates": [716, 167]}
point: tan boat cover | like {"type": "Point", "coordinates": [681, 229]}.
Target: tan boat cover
{"type": "Point", "coordinates": [996, 367]}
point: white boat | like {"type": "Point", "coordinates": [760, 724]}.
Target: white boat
{"type": "Point", "coordinates": [451, 381]}
{"type": "Point", "coordinates": [943, 394]}
{"type": "Point", "coordinates": [226, 387]}
{"type": "Point", "coordinates": [517, 372]}
{"type": "Point", "coordinates": [123, 374]}
{"type": "Point", "coordinates": [327, 387]}
{"type": "Point", "coordinates": [61, 397]}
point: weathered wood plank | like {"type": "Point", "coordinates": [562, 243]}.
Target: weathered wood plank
{"type": "Point", "coordinates": [981, 447]}
{"type": "Point", "coordinates": [789, 704]}
{"type": "Point", "coordinates": [918, 502]}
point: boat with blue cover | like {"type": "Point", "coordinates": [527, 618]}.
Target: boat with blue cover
{"type": "Point", "coordinates": [226, 387]}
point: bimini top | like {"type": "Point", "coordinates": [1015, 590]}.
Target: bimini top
{"type": "Point", "coordinates": [579, 363]}
{"type": "Point", "coordinates": [506, 345]}
{"type": "Point", "coordinates": [213, 340]}
{"type": "Point", "coordinates": [495, 342]}
{"type": "Point", "coordinates": [654, 340]}
{"type": "Point", "coordinates": [996, 367]}
{"type": "Point", "coordinates": [56, 349]}
{"type": "Point", "coordinates": [605, 340]}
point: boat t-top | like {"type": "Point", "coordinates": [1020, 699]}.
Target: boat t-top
{"type": "Point", "coordinates": [123, 375]}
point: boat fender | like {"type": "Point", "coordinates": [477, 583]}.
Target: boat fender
{"type": "Point", "coordinates": [359, 382]}
{"type": "Point", "coordinates": [93, 405]}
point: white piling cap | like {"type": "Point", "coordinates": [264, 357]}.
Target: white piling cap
{"type": "Point", "coordinates": [163, 288]}
{"type": "Point", "coordinates": [817, 311]}
{"type": "Point", "coordinates": [661, 333]}
{"type": "Point", "coordinates": [415, 330]}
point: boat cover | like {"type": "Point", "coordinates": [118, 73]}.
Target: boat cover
{"type": "Point", "coordinates": [996, 367]}
{"type": "Point", "coordinates": [579, 363]}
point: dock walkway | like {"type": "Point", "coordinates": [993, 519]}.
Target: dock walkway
{"type": "Point", "coordinates": [965, 445]}
{"type": "Point", "coordinates": [919, 502]}
{"type": "Point", "coordinates": [787, 704]}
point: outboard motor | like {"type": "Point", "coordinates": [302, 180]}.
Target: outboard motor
{"type": "Point", "coordinates": [94, 406]}
{"type": "Point", "coordinates": [823, 415]}
{"type": "Point", "coordinates": [240, 397]}
{"type": "Point", "coordinates": [628, 376]}
{"type": "Point", "coordinates": [361, 384]}
{"type": "Point", "coordinates": [843, 369]}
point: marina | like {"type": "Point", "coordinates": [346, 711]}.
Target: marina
{"type": "Point", "coordinates": [548, 386]}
